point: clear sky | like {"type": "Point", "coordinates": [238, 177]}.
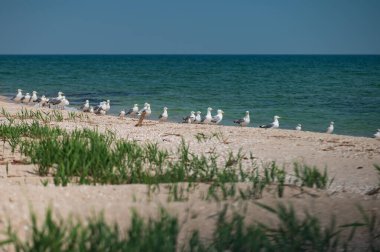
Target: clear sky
{"type": "Point", "coordinates": [189, 27]}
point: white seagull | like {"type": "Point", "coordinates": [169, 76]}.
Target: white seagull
{"type": "Point", "coordinates": [377, 134]}
{"type": "Point", "coordinates": [299, 127]}
{"type": "Point", "coordinates": [41, 101]}
{"type": "Point", "coordinates": [133, 111]}
{"type": "Point", "coordinates": [18, 96]}
{"type": "Point", "coordinates": [207, 119]}
{"type": "Point", "coordinates": [164, 116]}
{"type": "Point", "coordinates": [122, 114]}
{"type": "Point", "coordinates": [330, 129]}
{"type": "Point", "coordinates": [147, 110]}
{"type": "Point", "coordinates": [108, 105]}
{"type": "Point", "coordinates": [26, 98]}
{"type": "Point", "coordinates": [86, 106]}
{"type": "Point", "coordinates": [198, 118]}
{"type": "Point", "coordinates": [190, 118]}
{"type": "Point", "coordinates": [275, 124]}
{"type": "Point", "coordinates": [219, 117]}
{"type": "Point", "coordinates": [34, 96]}
{"type": "Point", "coordinates": [56, 101]}
{"type": "Point", "coordinates": [101, 108]}
{"type": "Point", "coordinates": [244, 121]}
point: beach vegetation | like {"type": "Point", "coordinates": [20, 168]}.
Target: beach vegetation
{"type": "Point", "coordinates": [311, 176]}
{"type": "Point", "coordinates": [231, 232]}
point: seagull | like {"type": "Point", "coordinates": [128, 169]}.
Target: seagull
{"type": "Point", "coordinates": [101, 108]}
{"type": "Point", "coordinates": [65, 101]}
{"type": "Point", "coordinates": [198, 118]}
{"type": "Point", "coordinates": [57, 100]}
{"type": "Point", "coordinates": [244, 121]}
{"type": "Point", "coordinates": [299, 127]}
{"type": "Point", "coordinates": [377, 134]}
{"type": "Point", "coordinates": [91, 109]}
{"type": "Point", "coordinates": [86, 106]}
{"type": "Point", "coordinates": [122, 114]}
{"type": "Point", "coordinates": [207, 119]}
{"type": "Point", "coordinates": [275, 124]}
{"type": "Point", "coordinates": [219, 116]}
{"type": "Point", "coordinates": [108, 105]}
{"type": "Point", "coordinates": [144, 108]}
{"type": "Point", "coordinates": [41, 101]}
{"type": "Point", "coordinates": [147, 110]}
{"type": "Point", "coordinates": [164, 116]}
{"type": "Point", "coordinates": [133, 111]}
{"type": "Point", "coordinates": [18, 96]}
{"type": "Point", "coordinates": [190, 118]}
{"type": "Point", "coordinates": [330, 129]}
{"type": "Point", "coordinates": [26, 98]}
{"type": "Point", "coordinates": [34, 96]}
{"type": "Point", "coordinates": [62, 103]}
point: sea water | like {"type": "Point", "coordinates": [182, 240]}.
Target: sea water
{"type": "Point", "coordinates": [308, 89]}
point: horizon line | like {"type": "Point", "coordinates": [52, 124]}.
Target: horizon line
{"type": "Point", "coordinates": [188, 54]}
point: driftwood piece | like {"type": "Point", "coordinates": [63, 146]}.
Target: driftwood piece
{"type": "Point", "coordinates": [141, 119]}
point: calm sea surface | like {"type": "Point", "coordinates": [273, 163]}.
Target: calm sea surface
{"type": "Point", "coordinates": [311, 90]}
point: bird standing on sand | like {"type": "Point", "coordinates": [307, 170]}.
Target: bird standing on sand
{"type": "Point", "coordinates": [299, 127]}
{"type": "Point", "coordinates": [86, 106]}
{"type": "Point", "coordinates": [34, 97]}
{"type": "Point", "coordinates": [275, 124]}
{"type": "Point", "coordinates": [207, 119]}
{"type": "Point", "coordinates": [377, 134]}
{"type": "Point", "coordinates": [64, 102]}
{"type": "Point", "coordinates": [198, 118]}
{"type": "Point", "coordinates": [101, 108]}
{"type": "Point", "coordinates": [190, 118]}
{"type": "Point", "coordinates": [133, 111]}
{"type": "Point", "coordinates": [219, 117]}
{"type": "Point", "coordinates": [18, 96]}
{"type": "Point", "coordinates": [122, 114]}
{"type": "Point", "coordinates": [147, 110]}
{"type": "Point", "coordinates": [108, 105]}
{"type": "Point", "coordinates": [330, 129]}
{"type": "Point", "coordinates": [164, 116]}
{"type": "Point", "coordinates": [41, 101]}
{"type": "Point", "coordinates": [56, 101]}
{"type": "Point", "coordinates": [26, 98]}
{"type": "Point", "coordinates": [244, 121]}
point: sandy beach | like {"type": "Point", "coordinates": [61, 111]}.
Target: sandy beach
{"type": "Point", "coordinates": [349, 162]}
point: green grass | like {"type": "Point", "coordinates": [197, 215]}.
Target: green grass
{"type": "Point", "coordinates": [311, 176]}
{"type": "Point", "coordinates": [230, 233]}
{"type": "Point", "coordinates": [96, 235]}
{"type": "Point", "coordinates": [89, 157]}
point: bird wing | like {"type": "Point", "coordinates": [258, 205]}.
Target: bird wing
{"type": "Point", "coordinates": [129, 111]}
{"type": "Point", "coordinates": [239, 121]}
{"type": "Point", "coordinates": [267, 126]}
{"type": "Point", "coordinates": [215, 119]}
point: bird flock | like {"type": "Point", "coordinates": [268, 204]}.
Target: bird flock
{"type": "Point", "coordinates": [103, 107]}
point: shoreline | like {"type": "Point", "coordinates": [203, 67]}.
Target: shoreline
{"type": "Point", "coordinates": [6, 99]}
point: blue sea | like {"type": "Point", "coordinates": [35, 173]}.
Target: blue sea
{"type": "Point", "coordinates": [311, 90]}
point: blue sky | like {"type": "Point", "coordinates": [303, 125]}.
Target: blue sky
{"type": "Point", "coordinates": [189, 27]}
